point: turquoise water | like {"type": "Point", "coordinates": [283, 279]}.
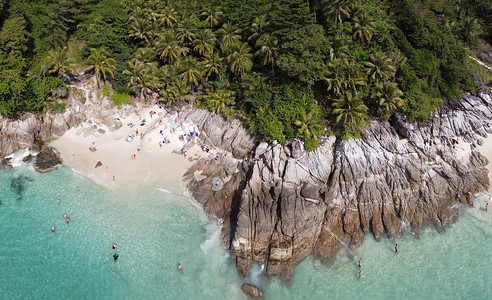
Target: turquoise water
{"type": "Point", "coordinates": [156, 230]}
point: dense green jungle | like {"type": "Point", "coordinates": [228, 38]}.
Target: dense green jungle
{"type": "Point", "coordinates": [286, 68]}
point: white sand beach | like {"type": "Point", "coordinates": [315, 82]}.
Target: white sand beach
{"type": "Point", "coordinates": [160, 164]}
{"type": "Point", "coordinates": [486, 150]}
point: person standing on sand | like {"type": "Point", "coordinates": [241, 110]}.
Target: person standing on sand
{"type": "Point", "coordinates": [396, 248]}
{"type": "Point", "coordinates": [107, 170]}
{"type": "Point", "coordinates": [113, 178]}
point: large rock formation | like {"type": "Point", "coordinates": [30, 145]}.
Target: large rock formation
{"type": "Point", "coordinates": [284, 204]}
{"type": "Point", "coordinates": [47, 160]}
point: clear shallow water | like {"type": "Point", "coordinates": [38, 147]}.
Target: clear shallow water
{"type": "Point", "coordinates": [156, 230]}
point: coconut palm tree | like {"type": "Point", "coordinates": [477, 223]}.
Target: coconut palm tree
{"type": "Point", "coordinates": [167, 46]}
{"type": "Point", "coordinates": [218, 100]}
{"type": "Point", "coordinates": [230, 36]}
{"type": "Point", "coordinates": [204, 42]}
{"type": "Point", "coordinates": [363, 29]}
{"type": "Point", "coordinates": [168, 16]}
{"type": "Point", "coordinates": [99, 63]}
{"type": "Point", "coordinates": [379, 67]}
{"type": "Point", "coordinates": [258, 27]}
{"type": "Point", "coordinates": [268, 50]}
{"type": "Point", "coordinates": [58, 63]}
{"type": "Point", "coordinates": [213, 16]}
{"type": "Point", "coordinates": [174, 93]}
{"type": "Point", "coordinates": [350, 111]}
{"type": "Point", "coordinates": [186, 30]}
{"type": "Point", "coordinates": [211, 65]}
{"type": "Point", "coordinates": [470, 28]}
{"type": "Point", "coordinates": [192, 74]}
{"type": "Point", "coordinates": [335, 77]}
{"type": "Point", "coordinates": [353, 77]}
{"type": "Point", "coordinates": [309, 125]}
{"type": "Point", "coordinates": [336, 9]}
{"type": "Point", "coordinates": [140, 30]}
{"type": "Point", "coordinates": [241, 59]}
{"type": "Point", "coordinates": [388, 97]}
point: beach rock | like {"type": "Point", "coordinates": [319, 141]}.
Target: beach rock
{"type": "Point", "coordinates": [99, 164]}
{"type": "Point", "coordinates": [47, 160]}
{"type": "Point", "coordinates": [252, 291]}
{"type": "Point", "coordinates": [28, 158]}
{"type": "Point", "coordinates": [5, 163]}
{"type": "Point", "coordinates": [92, 149]}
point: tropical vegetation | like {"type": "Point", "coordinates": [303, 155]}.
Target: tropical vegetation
{"type": "Point", "coordinates": [286, 68]}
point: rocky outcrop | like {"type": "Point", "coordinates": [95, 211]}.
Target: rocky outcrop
{"type": "Point", "coordinates": [228, 135]}
{"type": "Point", "coordinates": [47, 160]}
{"type": "Point", "coordinates": [252, 291]}
{"type": "Point", "coordinates": [283, 204]}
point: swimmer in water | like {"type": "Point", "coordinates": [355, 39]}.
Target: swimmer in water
{"type": "Point", "coordinates": [77, 188]}
{"type": "Point", "coordinates": [113, 248]}
{"type": "Point", "coordinates": [360, 263]}
{"type": "Point", "coordinates": [360, 274]}
{"type": "Point", "coordinates": [68, 220]}
{"type": "Point", "coordinates": [115, 256]}
{"type": "Point", "coordinates": [487, 206]}
{"type": "Point", "coordinates": [179, 267]}
{"type": "Point", "coordinates": [65, 217]}
{"type": "Point", "coordinates": [58, 201]}
{"type": "Point", "coordinates": [53, 228]}
{"type": "Point", "coordinates": [396, 248]}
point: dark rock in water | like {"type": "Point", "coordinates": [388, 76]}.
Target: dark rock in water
{"type": "Point", "coordinates": [27, 159]}
{"type": "Point", "coordinates": [92, 149]}
{"type": "Point", "coordinates": [5, 163]}
{"type": "Point", "coordinates": [252, 291]}
{"type": "Point", "coordinates": [18, 184]}
{"type": "Point", "coordinates": [47, 160]}
{"type": "Point", "coordinates": [99, 164]}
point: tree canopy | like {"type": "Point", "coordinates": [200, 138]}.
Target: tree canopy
{"type": "Point", "coordinates": [287, 68]}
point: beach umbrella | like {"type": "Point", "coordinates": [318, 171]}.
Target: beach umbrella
{"type": "Point", "coordinates": [217, 184]}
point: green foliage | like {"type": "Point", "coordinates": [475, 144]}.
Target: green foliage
{"type": "Point", "coordinates": [120, 99]}
{"type": "Point", "coordinates": [288, 68]}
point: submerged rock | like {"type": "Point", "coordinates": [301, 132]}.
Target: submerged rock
{"type": "Point", "coordinates": [47, 160]}
{"type": "Point", "coordinates": [252, 291]}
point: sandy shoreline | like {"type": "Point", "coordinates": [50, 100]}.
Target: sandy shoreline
{"type": "Point", "coordinates": [160, 165]}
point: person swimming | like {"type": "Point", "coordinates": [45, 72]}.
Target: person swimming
{"type": "Point", "coordinates": [113, 248]}
{"type": "Point", "coordinates": [67, 219]}
{"type": "Point", "coordinates": [115, 256]}
{"type": "Point", "coordinates": [360, 263]}
{"type": "Point", "coordinates": [396, 248]}
{"type": "Point", "coordinates": [58, 201]}
{"type": "Point", "coordinates": [360, 274]}
{"type": "Point", "coordinates": [179, 267]}
{"type": "Point", "coordinates": [53, 228]}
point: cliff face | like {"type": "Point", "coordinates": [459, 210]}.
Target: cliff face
{"type": "Point", "coordinates": [283, 204]}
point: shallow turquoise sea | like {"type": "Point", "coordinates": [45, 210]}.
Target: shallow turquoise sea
{"type": "Point", "coordinates": [155, 230]}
